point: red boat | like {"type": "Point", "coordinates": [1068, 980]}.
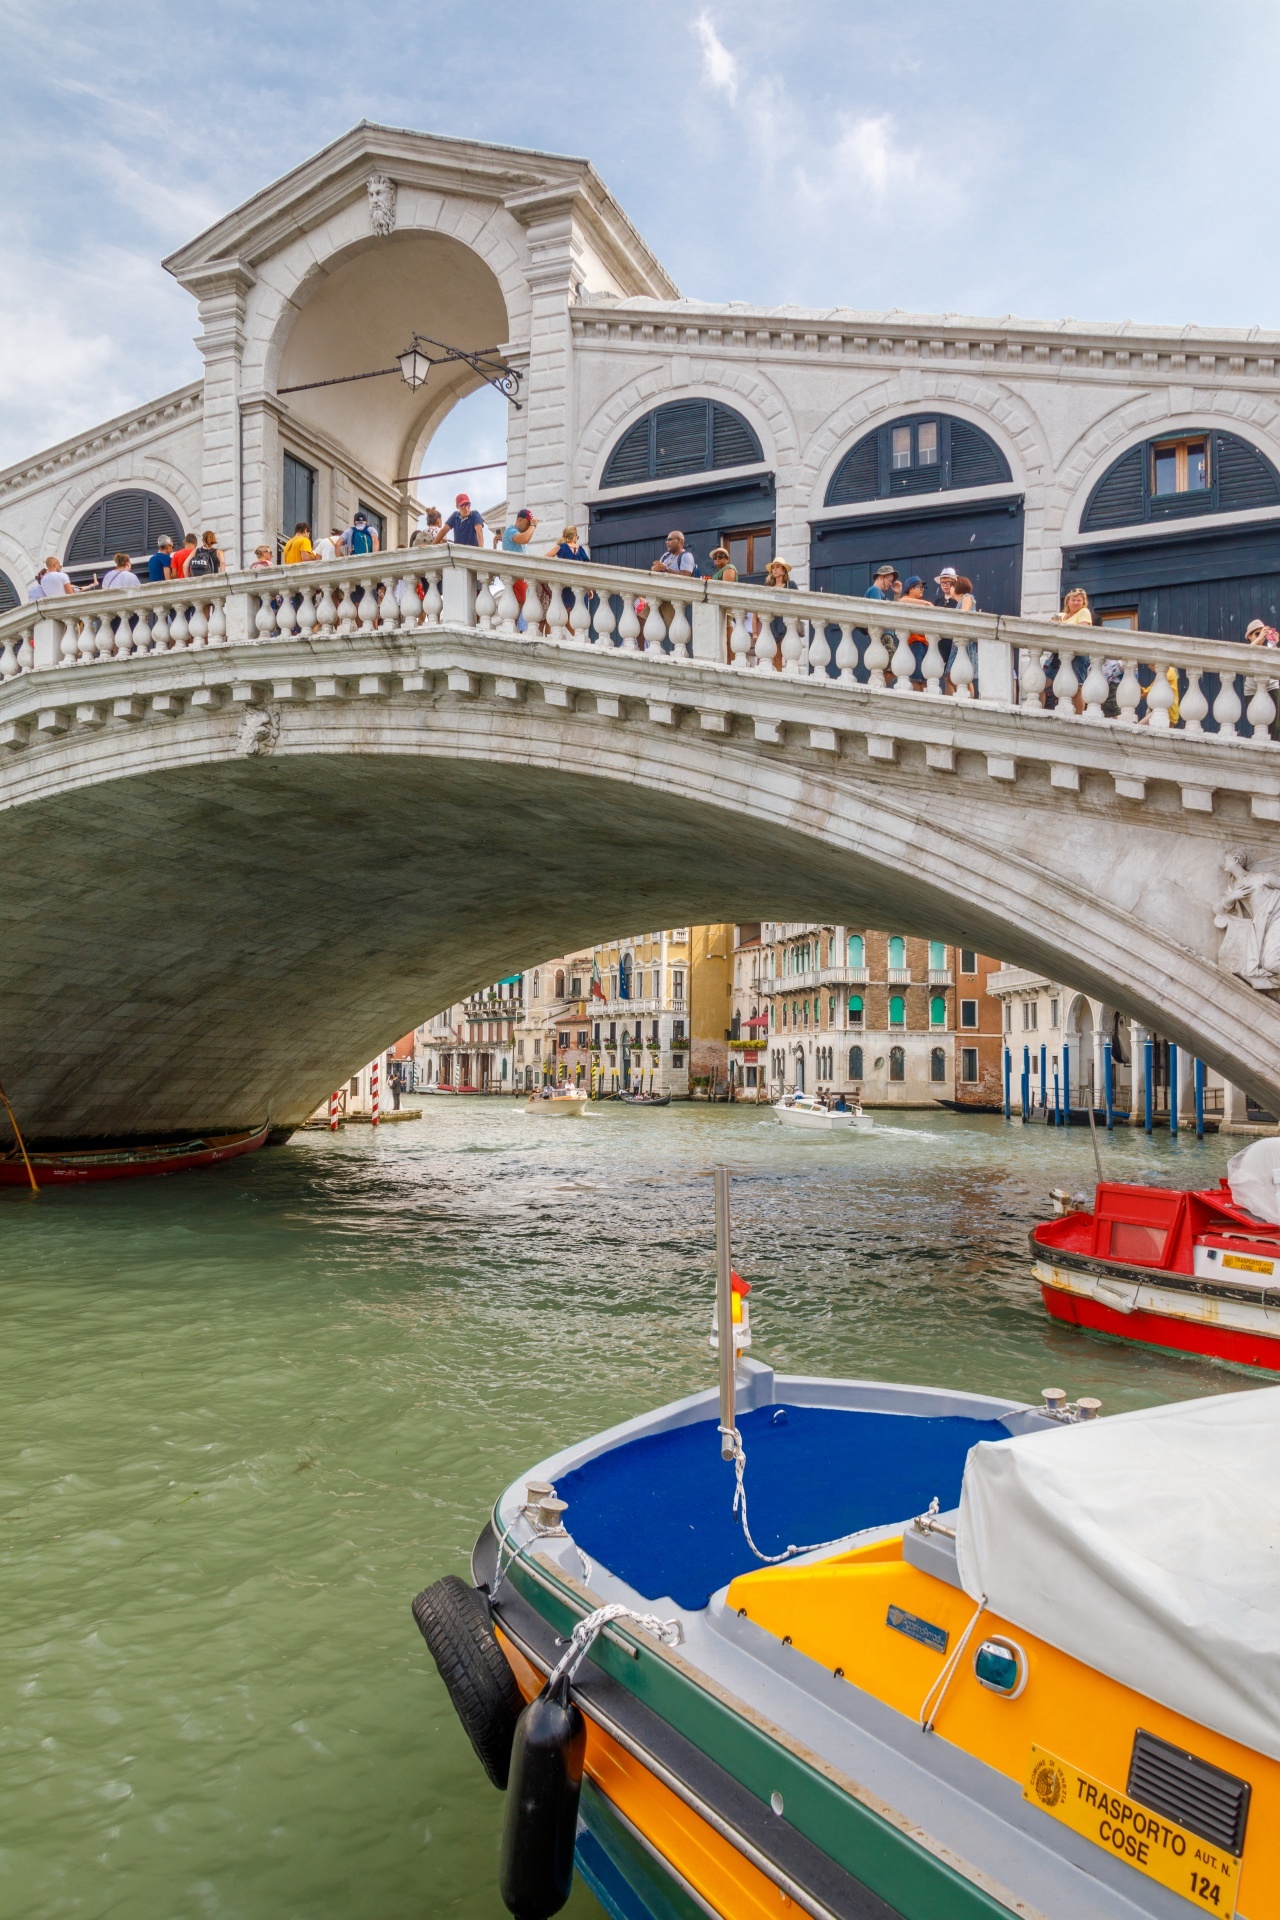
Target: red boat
{"type": "Point", "coordinates": [123, 1163]}
{"type": "Point", "coordinates": [1194, 1272]}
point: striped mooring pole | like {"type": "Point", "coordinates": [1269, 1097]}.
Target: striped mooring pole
{"type": "Point", "coordinates": [334, 1099]}
{"type": "Point", "coordinates": [374, 1111]}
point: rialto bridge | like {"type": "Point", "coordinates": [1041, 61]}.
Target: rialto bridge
{"type": "Point", "coordinates": [251, 832]}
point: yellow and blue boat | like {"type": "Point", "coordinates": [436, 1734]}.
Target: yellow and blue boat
{"type": "Point", "coordinates": [1032, 1667]}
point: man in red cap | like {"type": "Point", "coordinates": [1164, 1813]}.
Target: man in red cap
{"type": "Point", "coordinates": [465, 525]}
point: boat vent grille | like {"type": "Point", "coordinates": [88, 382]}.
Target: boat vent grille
{"type": "Point", "coordinates": [1199, 1796]}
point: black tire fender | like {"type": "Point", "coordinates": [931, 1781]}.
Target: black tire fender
{"type": "Point", "coordinates": [453, 1619]}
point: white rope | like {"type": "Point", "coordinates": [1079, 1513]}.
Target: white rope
{"type": "Point", "coordinates": [740, 1508]}
{"type": "Point", "coordinates": [931, 1705]}
{"type": "Point", "coordinates": [669, 1632]}
{"type": "Point", "coordinates": [540, 1532]}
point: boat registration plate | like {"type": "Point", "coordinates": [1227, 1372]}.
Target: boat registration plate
{"type": "Point", "coordinates": [1168, 1854]}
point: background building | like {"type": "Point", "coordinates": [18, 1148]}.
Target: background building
{"type": "Point", "coordinates": [470, 1047]}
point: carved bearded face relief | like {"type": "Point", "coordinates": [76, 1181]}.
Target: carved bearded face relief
{"type": "Point", "coordinates": [382, 202]}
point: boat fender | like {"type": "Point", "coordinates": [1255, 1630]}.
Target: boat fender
{"type": "Point", "coordinates": [453, 1619]}
{"type": "Point", "coordinates": [541, 1819]}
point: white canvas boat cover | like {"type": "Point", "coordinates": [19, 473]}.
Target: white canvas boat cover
{"type": "Point", "coordinates": [1146, 1545]}
{"type": "Point", "coordinates": [1254, 1178]}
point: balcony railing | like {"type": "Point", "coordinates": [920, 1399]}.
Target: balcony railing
{"type": "Point", "coordinates": [827, 640]}
{"type": "Point", "coordinates": [899, 976]}
{"type": "Point", "coordinates": [939, 976]}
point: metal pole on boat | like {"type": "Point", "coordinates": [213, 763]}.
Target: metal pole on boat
{"type": "Point", "coordinates": [22, 1145]}
{"type": "Point", "coordinates": [1199, 1078]}
{"type": "Point", "coordinates": [1148, 1075]}
{"type": "Point", "coordinates": [724, 1313]}
{"type": "Point", "coordinates": [1093, 1127]}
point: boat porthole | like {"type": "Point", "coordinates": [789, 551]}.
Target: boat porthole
{"type": "Point", "coordinates": [775, 1801]}
{"type": "Point", "coordinates": [1000, 1666]}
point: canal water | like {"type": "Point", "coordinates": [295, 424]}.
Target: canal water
{"type": "Point", "coordinates": [246, 1414]}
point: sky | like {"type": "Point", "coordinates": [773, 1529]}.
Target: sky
{"type": "Point", "coordinates": [1091, 159]}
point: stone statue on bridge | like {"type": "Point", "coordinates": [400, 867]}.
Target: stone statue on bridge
{"type": "Point", "coordinates": [1249, 914]}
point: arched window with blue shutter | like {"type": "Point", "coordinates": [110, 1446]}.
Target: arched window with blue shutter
{"type": "Point", "coordinates": [855, 1063]}
{"type": "Point", "coordinates": [937, 1011]}
{"type": "Point", "coordinates": [857, 950]}
{"type": "Point", "coordinates": [1175, 475]}
{"type": "Point", "coordinates": [9, 595]}
{"type": "Point", "coordinates": [917, 453]}
{"type": "Point", "coordinates": [897, 1063]}
{"type": "Point", "coordinates": [692, 465]}
{"type": "Point", "coordinates": [131, 521]}
{"type": "Point", "coordinates": [897, 1011]}
{"type": "Point", "coordinates": [684, 436]}
{"type": "Point", "coordinates": [897, 951]}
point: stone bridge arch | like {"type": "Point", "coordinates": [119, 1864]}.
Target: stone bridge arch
{"type": "Point", "coordinates": [228, 886]}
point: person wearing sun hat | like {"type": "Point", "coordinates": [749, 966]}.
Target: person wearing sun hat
{"type": "Point", "coordinates": [464, 524]}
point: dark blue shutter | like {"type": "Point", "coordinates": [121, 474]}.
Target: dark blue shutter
{"type": "Point", "coordinates": [732, 442]}
{"type": "Point", "coordinates": [858, 475]}
{"type": "Point", "coordinates": [682, 439]}
{"type": "Point", "coordinates": [8, 593]}
{"type": "Point", "coordinates": [1245, 478]}
{"type": "Point", "coordinates": [684, 436]}
{"type": "Point", "coordinates": [130, 521]}
{"type": "Point", "coordinates": [630, 463]}
{"type": "Point", "coordinates": [976, 460]}
{"type": "Point", "coordinates": [1117, 500]}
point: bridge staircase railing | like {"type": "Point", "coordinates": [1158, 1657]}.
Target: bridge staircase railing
{"type": "Point", "coordinates": [1162, 681]}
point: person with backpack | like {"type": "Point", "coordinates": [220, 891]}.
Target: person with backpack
{"type": "Point", "coordinates": [207, 558]}
{"type": "Point", "coordinates": [360, 536]}
{"type": "Point", "coordinates": [178, 564]}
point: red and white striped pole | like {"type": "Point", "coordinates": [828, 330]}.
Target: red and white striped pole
{"type": "Point", "coordinates": [374, 1113]}
{"type": "Point", "coordinates": [334, 1099]}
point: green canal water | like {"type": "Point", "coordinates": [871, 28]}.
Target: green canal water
{"type": "Point", "coordinates": [246, 1414]}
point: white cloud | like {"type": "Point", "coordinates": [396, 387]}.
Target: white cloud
{"type": "Point", "coordinates": [719, 66]}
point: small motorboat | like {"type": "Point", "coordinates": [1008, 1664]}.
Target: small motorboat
{"type": "Point", "coordinates": [645, 1099]}
{"type": "Point", "coordinates": [69, 1168]}
{"type": "Point", "coordinates": [560, 1104]}
{"type": "Point", "coordinates": [1192, 1272]}
{"type": "Point", "coordinates": [807, 1115]}
{"type": "Point", "coordinates": [1029, 1668]}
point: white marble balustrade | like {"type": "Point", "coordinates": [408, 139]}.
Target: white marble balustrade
{"type": "Point", "coordinates": [829, 640]}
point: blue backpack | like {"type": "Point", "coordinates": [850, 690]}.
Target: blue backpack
{"type": "Point", "coordinates": [361, 540]}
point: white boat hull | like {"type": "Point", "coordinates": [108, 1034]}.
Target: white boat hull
{"type": "Point", "coordinates": [822, 1120]}
{"type": "Point", "coordinates": [561, 1106]}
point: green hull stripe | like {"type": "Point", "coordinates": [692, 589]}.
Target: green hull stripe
{"type": "Point", "coordinates": [889, 1862]}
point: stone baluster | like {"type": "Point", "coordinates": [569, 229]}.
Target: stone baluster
{"type": "Point", "coordinates": [508, 605]}
{"type": "Point", "coordinates": [180, 629]}
{"type": "Point", "coordinates": [432, 602]}
{"type": "Point", "coordinates": [326, 613]}
{"type": "Point", "coordinates": [847, 653]}
{"type": "Point", "coordinates": [1129, 694]}
{"type": "Point", "coordinates": [739, 639]}
{"type": "Point", "coordinates": [1032, 680]}
{"type": "Point", "coordinates": [655, 627]}
{"type": "Point", "coordinates": [1261, 710]}
{"type": "Point", "coordinates": [819, 650]}
{"type": "Point", "coordinates": [766, 647]}
{"type": "Point", "coordinates": [264, 620]}
{"type": "Point", "coordinates": [88, 648]}
{"type": "Point", "coordinates": [368, 607]}
{"type": "Point", "coordinates": [629, 624]}
{"type": "Point", "coordinates": [286, 618]}
{"type": "Point", "coordinates": [26, 651]}
{"type": "Point", "coordinates": [580, 616]}
{"type": "Point", "coordinates": [934, 667]}
{"type": "Point", "coordinates": [557, 614]}
{"type": "Point", "coordinates": [1065, 684]}
{"type": "Point", "coordinates": [68, 643]}
{"type": "Point", "coordinates": [160, 631]}
{"type": "Point", "coordinates": [793, 647]}
{"type": "Point", "coordinates": [218, 621]}
{"type": "Point", "coordinates": [105, 638]}
{"type": "Point", "coordinates": [8, 659]}
{"type": "Point", "coordinates": [876, 658]}
{"type": "Point", "coordinates": [1095, 689]}
{"type": "Point", "coordinates": [307, 616]}
{"type": "Point", "coordinates": [903, 664]}
{"type": "Point", "coordinates": [199, 627]}
{"type": "Point", "coordinates": [680, 632]}
{"type": "Point", "coordinates": [124, 637]}
{"type": "Point", "coordinates": [962, 670]}
{"type": "Point", "coordinates": [1160, 699]}
{"type": "Point", "coordinates": [605, 620]}
{"type": "Point", "coordinates": [1227, 708]}
{"type": "Point", "coordinates": [348, 612]}
{"type": "Point", "coordinates": [1193, 706]}
{"type": "Point", "coordinates": [486, 606]}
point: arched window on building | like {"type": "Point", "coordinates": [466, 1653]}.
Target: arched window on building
{"type": "Point", "coordinates": [559, 983]}
{"type": "Point", "coordinates": [937, 1011]}
{"type": "Point", "coordinates": [684, 436]}
{"type": "Point", "coordinates": [938, 1064]}
{"type": "Point", "coordinates": [131, 521]}
{"type": "Point", "coordinates": [9, 595]}
{"type": "Point", "coordinates": [897, 1063]}
{"type": "Point", "coordinates": [918, 453]}
{"type": "Point", "coordinates": [855, 1063]}
{"type": "Point", "coordinates": [1179, 474]}
{"type": "Point", "coordinates": [534, 995]}
{"type": "Point", "coordinates": [855, 1009]}
{"type": "Point", "coordinates": [897, 1011]}
{"type": "Point", "coordinates": [857, 950]}
{"type": "Point", "coordinates": [937, 956]}
{"type": "Point", "coordinates": [702, 442]}
{"type": "Point", "coordinates": [897, 951]}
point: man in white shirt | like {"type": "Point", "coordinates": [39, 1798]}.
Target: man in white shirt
{"type": "Point", "coordinates": [52, 581]}
{"type": "Point", "coordinates": [331, 547]}
{"type": "Point", "coordinates": [677, 558]}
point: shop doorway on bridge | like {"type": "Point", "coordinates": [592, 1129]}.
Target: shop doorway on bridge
{"type": "Point", "coordinates": [694, 465]}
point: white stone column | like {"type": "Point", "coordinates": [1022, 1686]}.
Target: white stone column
{"type": "Point", "coordinates": [1235, 1109]}
{"type": "Point", "coordinates": [549, 216]}
{"type": "Point", "coordinates": [1186, 1082]}
{"type": "Point", "coordinates": [221, 290]}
